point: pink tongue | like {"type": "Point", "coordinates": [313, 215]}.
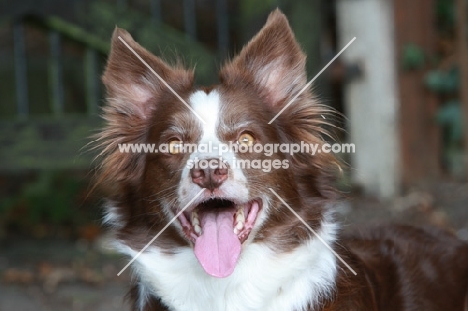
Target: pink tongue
{"type": "Point", "coordinates": [218, 248]}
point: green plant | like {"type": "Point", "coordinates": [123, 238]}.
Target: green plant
{"type": "Point", "coordinates": [413, 57]}
{"type": "Point", "coordinates": [53, 199]}
{"type": "Point", "coordinates": [160, 39]}
{"type": "Point", "coordinates": [445, 82]}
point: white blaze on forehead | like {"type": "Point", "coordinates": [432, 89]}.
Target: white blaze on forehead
{"type": "Point", "coordinates": [207, 107]}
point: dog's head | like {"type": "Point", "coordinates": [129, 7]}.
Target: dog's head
{"type": "Point", "coordinates": [222, 190]}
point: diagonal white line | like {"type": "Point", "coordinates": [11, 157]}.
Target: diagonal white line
{"type": "Point", "coordinates": [313, 231]}
{"type": "Point", "coordinates": [310, 82]}
{"type": "Point", "coordinates": [161, 79]}
{"type": "Point", "coordinates": [159, 233]}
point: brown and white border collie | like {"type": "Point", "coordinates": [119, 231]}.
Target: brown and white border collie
{"type": "Point", "coordinates": [236, 247]}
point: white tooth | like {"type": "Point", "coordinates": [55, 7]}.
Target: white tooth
{"type": "Point", "coordinates": [197, 229]}
{"type": "Point", "coordinates": [240, 217]}
{"type": "Point", "coordinates": [239, 225]}
{"type": "Point", "coordinates": [236, 231]}
{"type": "Point", "coordinates": [195, 220]}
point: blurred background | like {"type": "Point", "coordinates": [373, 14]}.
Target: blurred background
{"type": "Point", "coordinates": [402, 87]}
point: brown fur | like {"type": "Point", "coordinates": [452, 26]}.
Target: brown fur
{"type": "Point", "coordinates": [271, 69]}
{"type": "Point", "coordinates": [405, 268]}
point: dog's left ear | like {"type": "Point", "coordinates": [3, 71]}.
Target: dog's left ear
{"type": "Point", "coordinates": [273, 61]}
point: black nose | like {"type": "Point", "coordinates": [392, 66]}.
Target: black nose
{"type": "Point", "coordinates": [209, 173]}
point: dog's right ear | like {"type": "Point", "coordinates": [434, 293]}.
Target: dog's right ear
{"type": "Point", "coordinates": [131, 86]}
{"type": "Point", "coordinates": [133, 92]}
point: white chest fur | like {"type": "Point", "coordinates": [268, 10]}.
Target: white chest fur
{"type": "Point", "coordinates": [263, 279]}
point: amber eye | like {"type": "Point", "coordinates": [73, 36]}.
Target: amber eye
{"type": "Point", "coordinates": [246, 139]}
{"type": "Point", "coordinates": [175, 146]}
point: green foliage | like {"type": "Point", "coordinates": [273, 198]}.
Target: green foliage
{"type": "Point", "coordinates": [53, 199]}
{"type": "Point", "coordinates": [413, 57]}
{"type": "Point", "coordinates": [305, 20]}
{"type": "Point", "coordinates": [446, 84]}
{"type": "Point", "coordinates": [252, 8]}
{"type": "Point", "coordinates": [48, 198]}
{"type": "Point", "coordinates": [104, 17]}
{"type": "Point", "coordinates": [443, 82]}
{"type": "Point", "coordinates": [77, 33]}
{"type": "Point", "coordinates": [450, 117]}
{"type": "Point", "coordinates": [445, 11]}
{"type": "Point", "coordinates": [47, 143]}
